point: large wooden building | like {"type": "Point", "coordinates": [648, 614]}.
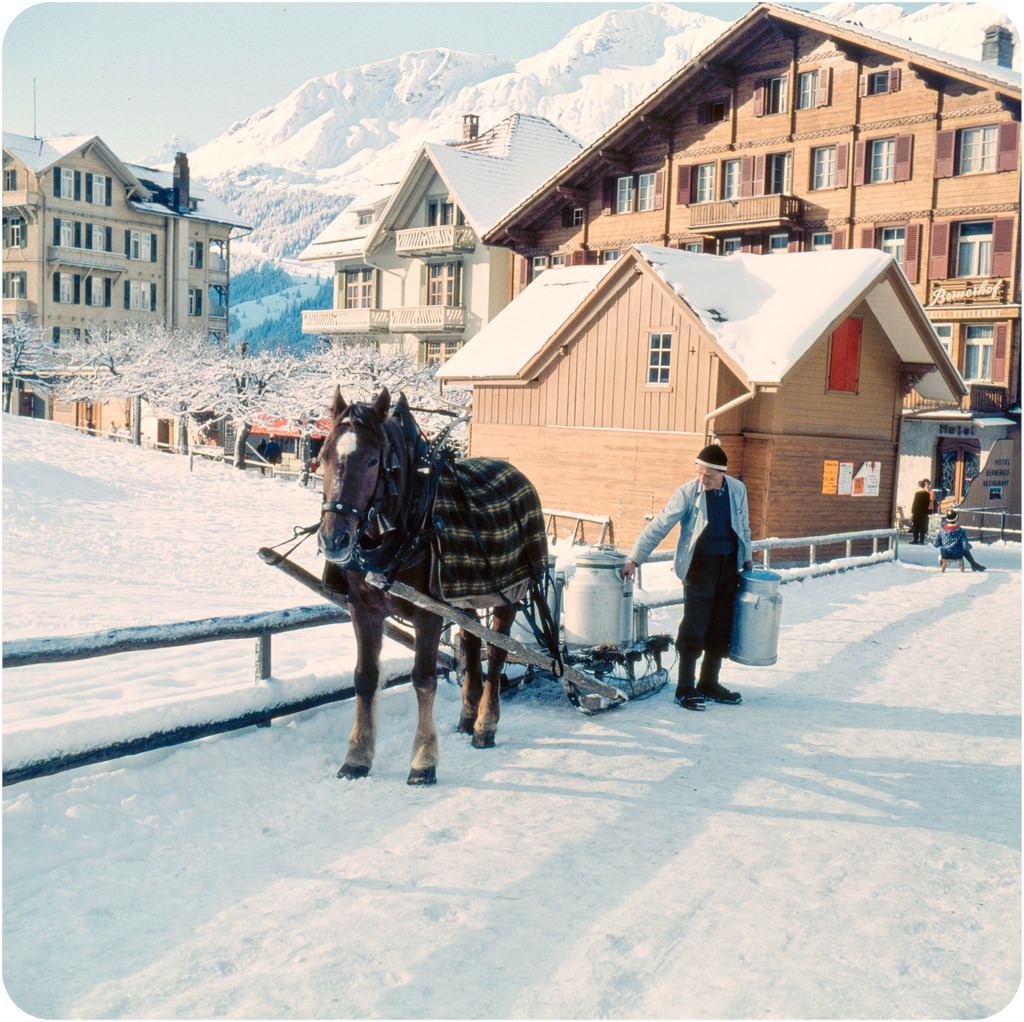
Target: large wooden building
{"type": "Point", "coordinates": [794, 133]}
{"type": "Point", "coordinates": [603, 383]}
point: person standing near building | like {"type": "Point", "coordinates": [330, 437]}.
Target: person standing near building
{"type": "Point", "coordinates": [920, 508]}
{"type": "Point", "coordinates": [713, 547]}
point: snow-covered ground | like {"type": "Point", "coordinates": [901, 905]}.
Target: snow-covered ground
{"type": "Point", "coordinates": [844, 844]}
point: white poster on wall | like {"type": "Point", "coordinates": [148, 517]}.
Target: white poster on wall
{"type": "Point", "coordinates": [867, 481]}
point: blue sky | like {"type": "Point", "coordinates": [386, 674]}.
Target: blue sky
{"type": "Point", "coordinates": [137, 74]}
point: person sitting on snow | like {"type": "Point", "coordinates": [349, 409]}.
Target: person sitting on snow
{"type": "Point", "coordinates": [953, 543]}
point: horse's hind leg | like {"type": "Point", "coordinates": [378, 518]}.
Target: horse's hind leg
{"type": "Point", "coordinates": [472, 682]}
{"type": "Point", "coordinates": [424, 680]}
{"type": "Point", "coordinates": [490, 702]}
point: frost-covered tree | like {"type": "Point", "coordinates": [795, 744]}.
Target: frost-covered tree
{"type": "Point", "coordinates": [25, 355]}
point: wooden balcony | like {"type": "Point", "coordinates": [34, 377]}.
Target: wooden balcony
{"type": "Point", "coordinates": [761, 210]}
{"type": "Point", "coordinates": [19, 308]}
{"type": "Point", "coordinates": [344, 321]}
{"type": "Point", "coordinates": [421, 241]}
{"type": "Point", "coordinates": [86, 258]}
{"type": "Point", "coordinates": [980, 397]}
{"type": "Point", "coordinates": [19, 198]}
{"type": "Point", "coordinates": [428, 319]}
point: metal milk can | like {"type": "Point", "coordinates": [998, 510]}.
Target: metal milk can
{"type": "Point", "coordinates": [755, 626]}
{"type": "Point", "coordinates": [598, 601]}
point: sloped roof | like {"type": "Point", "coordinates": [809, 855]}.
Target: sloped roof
{"type": "Point", "coordinates": [40, 154]}
{"type": "Point", "coordinates": [763, 311]}
{"type": "Point", "coordinates": [159, 182]}
{"type": "Point", "coordinates": [345, 235]}
{"type": "Point", "coordinates": [667, 96]}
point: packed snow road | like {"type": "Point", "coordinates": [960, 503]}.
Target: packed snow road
{"type": "Point", "coordinates": [844, 844]}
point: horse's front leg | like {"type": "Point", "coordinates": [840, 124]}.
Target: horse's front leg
{"type": "Point", "coordinates": [490, 702]}
{"type": "Point", "coordinates": [368, 628]}
{"type": "Point", "coordinates": [424, 680]}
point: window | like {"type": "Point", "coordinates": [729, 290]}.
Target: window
{"type": "Point", "coordinates": [440, 213]}
{"type": "Point", "coordinates": [894, 241]}
{"type": "Point", "coordinates": [731, 179]}
{"type": "Point", "coordinates": [807, 86]}
{"type": "Point", "coordinates": [978, 353]}
{"type": "Point", "coordinates": [139, 295]}
{"type": "Point", "coordinates": [218, 301]}
{"type": "Point", "coordinates": [365, 219]}
{"type": "Point", "coordinates": [730, 245]}
{"type": "Point", "coordinates": [66, 236]}
{"type": "Point", "coordinates": [97, 189]}
{"type": "Point", "coordinates": [14, 232]}
{"type": "Point", "coordinates": [624, 194]}
{"type": "Point", "coordinates": [558, 259]}
{"type": "Point", "coordinates": [218, 254]}
{"type": "Point", "coordinates": [878, 83]}
{"type": "Point", "coordinates": [645, 192]}
{"type": "Point", "coordinates": [438, 352]}
{"type": "Point", "coordinates": [540, 264]}
{"type": "Point", "coordinates": [775, 95]}
{"type": "Point", "coordinates": [98, 238]}
{"type": "Point", "coordinates": [712, 113]}
{"type": "Point", "coordinates": [777, 181]}
{"type": "Point", "coordinates": [195, 255]}
{"type": "Point", "coordinates": [694, 246]}
{"type": "Point", "coordinates": [576, 217]}
{"type": "Point", "coordinates": [823, 167]}
{"type": "Point", "coordinates": [10, 180]}
{"type": "Point", "coordinates": [97, 291]}
{"type": "Point", "coordinates": [67, 183]}
{"type": "Point", "coordinates": [195, 301]}
{"type": "Point", "coordinates": [705, 186]}
{"type": "Point", "coordinates": [778, 243]}
{"type": "Point", "coordinates": [944, 332]}
{"type": "Point", "coordinates": [978, 149]}
{"type": "Point", "coordinates": [443, 281]}
{"type": "Point", "coordinates": [844, 356]}
{"type": "Point", "coordinates": [659, 360]}
{"type": "Point", "coordinates": [821, 241]}
{"type": "Point", "coordinates": [974, 249]}
{"type": "Point", "coordinates": [609, 255]}
{"type": "Point", "coordinates": [881, 156]}
{"type": "Point", "coordinates": [359, 289]}
{"type": "Point", "coordinates": [16, 284]}
{"type": "Point", "coordinates": [139, 246]}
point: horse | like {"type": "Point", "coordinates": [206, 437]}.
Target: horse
{"type": "Point", "coordinates": [398, 507]}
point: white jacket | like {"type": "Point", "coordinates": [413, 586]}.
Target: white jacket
{"type": "Point", "coordinates": [688, 508]}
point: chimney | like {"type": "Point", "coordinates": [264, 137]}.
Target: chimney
{"type": "Point", "coordinates": [179, 183]}
{"type": "Point", "coordinates": [998, 46]}
{"type": "Point", "coordinates": [470, 127]}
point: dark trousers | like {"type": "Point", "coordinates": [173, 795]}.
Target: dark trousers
{"type": "Point", "coordinates": [709, 602]}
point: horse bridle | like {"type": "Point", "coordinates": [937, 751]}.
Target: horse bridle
{"type": "Point", "coordinates": [387, 470]}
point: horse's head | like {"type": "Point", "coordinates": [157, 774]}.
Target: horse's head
{"type": "Point", "coordinates": [358, 467]}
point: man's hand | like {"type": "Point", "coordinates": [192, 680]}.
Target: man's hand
{"type": "Point", "coordinates": [628, 570]}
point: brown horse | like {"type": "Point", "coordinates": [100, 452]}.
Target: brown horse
{"type": "Point", "coordinates": [392, 507]}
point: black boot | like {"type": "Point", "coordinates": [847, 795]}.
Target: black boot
{"type": "Point", "coordinates": [687, 695]}
{"type": "Point", "coordinates": [708, 685]}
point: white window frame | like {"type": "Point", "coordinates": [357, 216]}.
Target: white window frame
{"type": "Point", "coordinates": [775, 95]}
{"type": "Point", "coordinates": [659, 358]}
{"type": "Point", "coordinates": [979, 149]}
{"type": "Point", "coordinates": [705, 186]}
{"type": "Point", "coordinates": [67, 183]}
{"type": "Point", "coordinates": [99, 190]}
{"type": "Point", "coordinates": [881, 160]}
{"type": "Point", "coordinates": [557, 259]}
{"type": "Point", "coordinates": [730, 245]}
{"type": "Point", "coordinates": [944, 332]}
{"type": "Point", "coordinates": [67, 233]}
{"type": "Point", "coordinates": [95, 285]}
{"type": "Point", "coordinates": [878, 83]}
{"type": "Point", "coordinates": [624, 194]}
{"type": "Point", "coordinates": [823, 167]}
{"type": "Point", "coordinates": [139, 296]}
{"type": "Point", "coordinates": [645, 192]}
{"type": "Point", "coordinates": [610, 255]}
{"type": "Point", "coordinates": [894, 241]}
{"type": "Point", "coordinates": [732, 179]}
{"type": "Point", "coordinates": [67, 289]}
{"type": "Point", "coordinates": [821, 241]}
{"type": "Point", "coordinates": [140, 247]}
{"type": "Point", "coordinates": [779, 173]}
{"type": "Point", "coordinates": [974, 248]}
{"type": "Point", "coordinates": [778, 243]}
{"type": "Point", "coordinates": [99, 238]}
{"type": "Point", "coordinates": [807, 90]}
{"type": "Point", "coordinates": [979, 341]}
{"type": "Point", "coordinates": [538, 265]}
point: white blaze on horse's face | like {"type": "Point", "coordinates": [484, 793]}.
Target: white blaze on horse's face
{"type": "Point", "coordinates": [345, 445]}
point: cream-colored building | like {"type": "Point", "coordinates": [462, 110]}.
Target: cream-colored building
{"type": "Point", "coordinates": [410, 267]}
{"type": "Point", "coordinates": [91, 243]}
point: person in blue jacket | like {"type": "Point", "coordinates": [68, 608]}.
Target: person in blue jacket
{"type": "Point", "coordinates": [954, 545]}
{"type": "Point", "coordinates": [713, 547]}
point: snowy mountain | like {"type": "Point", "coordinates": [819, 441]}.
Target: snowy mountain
{"type": "Point", "coordinates": [290, 167]}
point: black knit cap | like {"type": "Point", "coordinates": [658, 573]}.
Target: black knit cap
{"type": "Point", "coordinates": [713, 457]}
{"type": "Point", "coordinates": [951, 515]}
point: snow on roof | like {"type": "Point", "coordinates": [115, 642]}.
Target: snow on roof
{"type": "Point", "coordinates": [495, 172]}
{"type": "Point", "coordinates": [209, 207]}
{"type": "Point", "coordinates": [765, 311]}
{"type": "Point", "coordinates": [39, 154]}
{"type": "Point", "coordinates": [345, 235]}
{"type": "Point", "coordinates": [525, 325]}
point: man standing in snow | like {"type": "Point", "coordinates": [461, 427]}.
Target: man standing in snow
{"type": "Point", "coordinates": [714, 546]}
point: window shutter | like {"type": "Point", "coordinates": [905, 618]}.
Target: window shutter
{"type": "Point", "coordinates": [824, 90]}
{"type": "Point", "coordinates": [860, 150]}
{"type": "Point", "coordinates": [904, 157]}
{"type": "Point", "coordinates": [152, 296]}
{"type": "Point", "coordinates": [760, 87]}
{"type": "Point", "coordinates": [746, 176]}
{"type": "Point", "coordinates": [106, 292]}
{"type": "Point", "coordinates": [78, 289]}
{"type": "Point", "coordinates": [607, 196]}
{"type": "Point", "coordinates": [758, 176]}
{"type": "Point", "coordinates": [839, 239]}
{"type": "Point", "coordinates": [56, 287]}
{"type": "Point", "coordinates": [56, 230]}
{"type": "Point", "coordinates": [108, 239]}
{"type": "Point", "coordinates": [1002, 246]}
{"type": "Point", "coordinates": [842, 164]}
{"type": "Point", "coordinates": [110, 185]}
{"type": "Point", "coordinates": [938, 253]}
{"type": "Point", "coordinates": [1009, 142]}
{"type": "Point", "coordinates": [567, 216]}
{"type": "Point", "coordinates": [78, 186]}
{"type": "Point", "coordinates": [578, 258]}
{"type": "Point", "coordinates": [867, 237]}
{"type": "Point", "coordinates": [88, 293]}
{"type": "Point", "coordinates": [128, 244]}
{"type": "Point", "coordinates": [842, 372]}
{"type": "Point", "coordinates": [127, 295]}
{"type": "Point", "coordinates": [999, 347]}
{"type": "Point", "coordinates": [88, 187]}
{"type": "Point", "coordinates": [862, 85]}
{"type": "Point", "coordinates": [659, 190]}
{"type": "Point", "coordinates": [56, 182]}
{"type": "Point", "coordinates": [424, 284]}
{"type": "Point", "coordinates": [684, 183]}
{"type": "Point", "coordinates": [912, 253]}
{"type": "Point", "coordinates": [77, 232]}
{"type": "Point", "coordinates": [524, 272]}
{"type": "Point", "coordinates": [895, 77]}
{"type": "Point", "coordinates": [88, 236]}
{"type": "Point", "coordinates": [945, 151]}
{"type": "Point", "coordinates": [152, 249]}
{"type": "Point", "coordinates": [794, 242]}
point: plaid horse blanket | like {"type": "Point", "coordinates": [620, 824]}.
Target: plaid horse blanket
{"type": "Point", "coordinates": [490, 530]}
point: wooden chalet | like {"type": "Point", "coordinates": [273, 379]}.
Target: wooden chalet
{"type": "Point", "coordinates": [602, 383]}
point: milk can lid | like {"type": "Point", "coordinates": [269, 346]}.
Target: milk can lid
{"type": "Point", "coordinates": [760, 575]}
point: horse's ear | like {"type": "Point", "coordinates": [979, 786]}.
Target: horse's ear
{"type": "Point", "coordinates": [381, 405]}
{"type": "Point", "coordinates": [401, 406]}
{"type": "Point", "coordinates": [339, 403]}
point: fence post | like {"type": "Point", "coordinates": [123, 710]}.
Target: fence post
{"type": "Point", "coordinates": [263, 656]}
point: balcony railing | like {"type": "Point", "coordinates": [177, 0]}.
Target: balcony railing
{"type": "Point", "coordinates": [766, 209]}
{"type": "Point", "coordinates": [980, 397]}
{"type": "Point", "coordinates": [18, 198]}
{"type": "Point", "coordinates": [429, 240]}
{"type": "Point", "coordinates": [18, 308]}
{"type": "Point", "coordinates": [427, 319]}
{"type": "Point", "coordinates": [85, 257]}
{"type": "Point", "coordinates": [344, 321]}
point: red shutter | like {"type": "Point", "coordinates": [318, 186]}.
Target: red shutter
{"type": "Point", "coordinates": [912, 252]}
{"type": "Point", "coordinates": [794, 242]}
{"type": "Point", "coordinates": [1009, 143]}
{"type": "Point", "coordinates": [577, 258]}
{"type": "Point", "coordinates": [760, 87]}
{"type": "Point", "coordinates": [862, 85]}
{"type": "Point", "coordinates": [860, 150]}
{"type": "Point", "coordinates": [746, 176]}
{"type": "Point", "coordinates": [684, 175]}
{"type": "Point", "coordinates": [838, 240]}
{"type": "Point", "coordinates": [999, 346]}
{"type": "Point", "coordinates": [945, 151]}
{"type": "Point", "coordinates": [938, 254]}
{"type": "Point", "coordinates": [867, 237]}
{"type": "Point", "coordinates": [824, 91]}
{"type": "Point", "coordinates": [607, 196]}
{"type": "Point", "coordinates": [842, 164]}
{"type": "Point", "coordinates": [659, 190]}
{"type": "Point", "coordinates": [1002, 246]}
{"type": "Point", "coordinates": [842, 372]}
{"type": "Point", "coordinates": [894, 79]}
{"type": "Point", "coordinates": [904, 157]}
{"type": "Point", "coordinates": [524, 272]}
{"type": "Point", "coordinates": [758, 180]}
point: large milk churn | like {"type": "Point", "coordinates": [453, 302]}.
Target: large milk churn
{"type": "Point", "coordinates": [755, 627]}
{"type": "Point", "coordinates": [598, 600]}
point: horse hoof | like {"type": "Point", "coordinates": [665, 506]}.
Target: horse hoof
{"type": "Point", "coordinates": [465, 726]}
{"type": "Point", "coordinates": [422, 775]}
{"type": "Point", "coordinates": [351, 772]}
{"type": "Point", "coordinates": [483, 740]}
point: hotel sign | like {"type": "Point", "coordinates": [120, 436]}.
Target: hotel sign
{"type": "Point", "coordinates": [968, 292]}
